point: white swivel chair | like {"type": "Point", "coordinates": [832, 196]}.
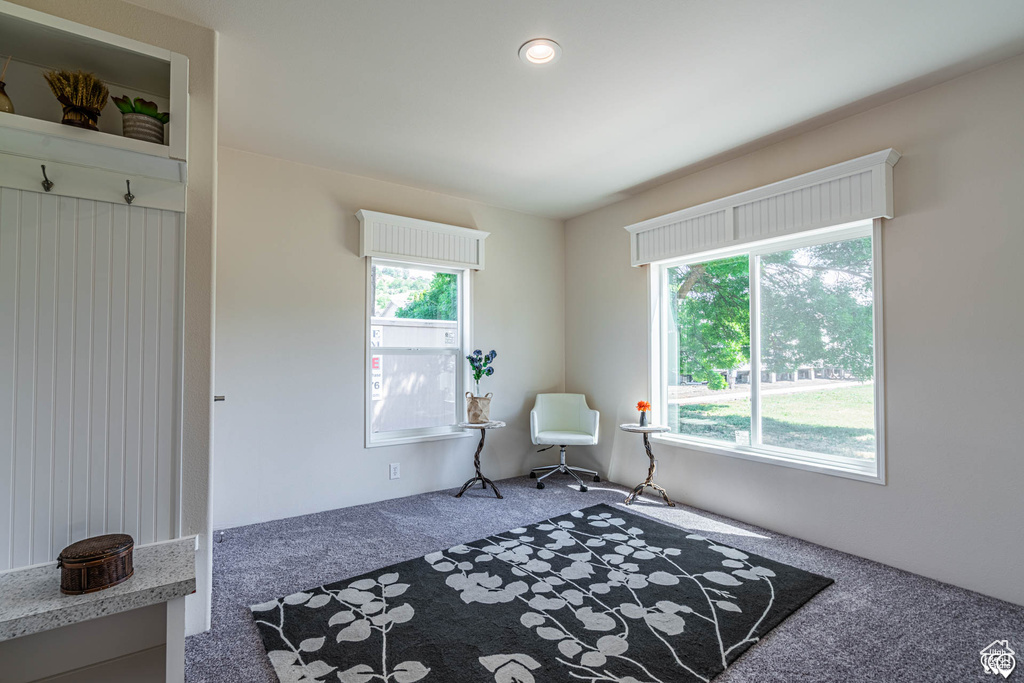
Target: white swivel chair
{"type": "Point", "coordinates": [562, 420]}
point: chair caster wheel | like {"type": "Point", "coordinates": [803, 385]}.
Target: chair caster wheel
{"type": "Point", "coordinates": [583, 489]}
{"type": "Point", "coordinates": [533, 475]}
{"type": "Point", "coordinates": [540, 484]}
{"type": "Point", "coordinates": [597, 478]}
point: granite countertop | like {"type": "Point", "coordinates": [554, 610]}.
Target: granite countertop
{"type": "Point", "coordinates": [31, 601]}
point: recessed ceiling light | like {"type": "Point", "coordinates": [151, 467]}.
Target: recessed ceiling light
{"type": "Point", "coordinates": [540, 51]}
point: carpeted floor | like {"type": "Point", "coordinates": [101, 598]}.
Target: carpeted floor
{"type": "Point", "coordinates": [875, 623]}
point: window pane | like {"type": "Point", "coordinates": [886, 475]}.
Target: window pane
{"type": "Point", "coordinates": [416, 350]}
{"type": "Point", "coordinates": [708, 349]}
{"type": "Point", "coordinates": [817, 349]}
{"type": "Point", "coordinates": [414, 293]}
{"type": "Point", "coordinates": [413, 391]}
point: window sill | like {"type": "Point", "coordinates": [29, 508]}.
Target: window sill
{"type": "Point", "coordinates": [400, 440]}
{"type": "Point", "coordinates": [849, 470]}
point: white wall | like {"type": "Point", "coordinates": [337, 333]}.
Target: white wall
{"type": "Point", "coordinates": [200, 46]}
{"type": "Point", "coordinates": [291, 306]}
{"type": "Point", "coordinates": [953, 330]}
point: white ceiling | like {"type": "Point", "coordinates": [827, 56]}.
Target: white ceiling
{"type": "Point", "coordinates": [431, 93]}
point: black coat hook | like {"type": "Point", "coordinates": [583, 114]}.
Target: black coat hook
{"type": "Point", "coordinates": [47, 183]}
{"type": "Point", "coordinates": [129, 197]}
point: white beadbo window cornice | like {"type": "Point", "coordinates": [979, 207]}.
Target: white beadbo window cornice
{"type": "Point", "coordinates": [854, 190]}
{"type": "Point", "coordinates": [410, 239]}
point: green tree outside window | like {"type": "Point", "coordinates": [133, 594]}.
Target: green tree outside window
{"type": "Point", "coordinates": [440, 301]}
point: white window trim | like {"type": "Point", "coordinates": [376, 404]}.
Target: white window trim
{"type": "Point", "coordinates": [855, 190]}
{"type": "Point", "coordinates": [412, 240]}
{"type": "Point", "coordinates": [820, 463]}
{"type": "Point", "coordinates": [410, 436]}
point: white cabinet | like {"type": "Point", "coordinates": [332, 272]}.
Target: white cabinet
{"type": "Point", "coordinates": [91, 290]}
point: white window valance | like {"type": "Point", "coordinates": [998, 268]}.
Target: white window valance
{"type": "Point", "coordinates": [859, 189]}
{"type": "Point", "coordinates": [384, 235]}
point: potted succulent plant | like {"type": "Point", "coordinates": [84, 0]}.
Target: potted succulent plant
{"type": "Point", "coordinates": [141, 119]}
{"type": "Point", "coordinates": [478, 408]}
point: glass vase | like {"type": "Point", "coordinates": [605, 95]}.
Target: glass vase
{"type": "Point", "coordinates": [643, 418]}
{"type": "Point", "coordinates": [5, 102]}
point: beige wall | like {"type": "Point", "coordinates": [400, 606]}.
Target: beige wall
{"type": "Point", "coordinates": [291, 306]}
{"type": "Point", "coordinates": [200, 46]}
{"type": "Point", "coordinates": [953, 330]}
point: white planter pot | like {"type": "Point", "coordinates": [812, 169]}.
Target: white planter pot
{"type": "Point", "coordinates": [478, 408]}
{"type": "Point", "coordinates": [142, 127]}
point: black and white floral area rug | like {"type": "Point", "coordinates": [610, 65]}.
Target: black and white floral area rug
{"type": "Point", "coordinates": [594, 595]}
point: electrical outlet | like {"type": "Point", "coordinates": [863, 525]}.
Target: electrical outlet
{"type": "Point", "coordinates": [396, 470]}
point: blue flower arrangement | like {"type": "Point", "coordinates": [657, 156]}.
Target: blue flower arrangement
{"type": "Point", "coordinates": [481, 365]}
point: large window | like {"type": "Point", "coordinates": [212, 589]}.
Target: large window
{"type": "Point", "coordinates": [416, 345]}
{"type": "Point", "coordinates": [769, 352]}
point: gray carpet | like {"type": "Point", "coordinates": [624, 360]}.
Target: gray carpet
{"type": "Point", "coordinates": [875, 623]}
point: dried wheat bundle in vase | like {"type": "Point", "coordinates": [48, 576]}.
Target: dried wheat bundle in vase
{"type": "Point", "coordinates": [82, 95]}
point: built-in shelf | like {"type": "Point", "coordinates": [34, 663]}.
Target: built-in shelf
{"type": "Point", "coordinates": [82, 163]}
{"type": "Point", "coordinates": [91, 137]}
{"type": "Point", "coordinates": [44, 40]}
{"type": "Point", "coordinates": [38, 42]}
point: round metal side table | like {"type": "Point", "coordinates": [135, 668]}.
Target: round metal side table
{"type": "Point", "coordinates": [484, 481]}
{"type": "Point", "coordinates": [647, 430]}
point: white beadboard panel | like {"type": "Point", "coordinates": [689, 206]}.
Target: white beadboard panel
{"type": "Point", "coordinates": [117, 399]}
{"type": "Point", "coordinates": [90, 372]}
{"type": "Point", "coordinates": [100, 364]}
{"type": "Point", "coordinates": [168, 397]}
{"type": "Point", "coordinates": [687, 236]}
{"type": "Point", "coordinates": [9, 233]}
{"type": "Point", "coordinates": [81, 373]}
{"type": "Point", "coordinates": [133, 375]}
{"type": "Point", "coordinates": [829, 203]}
{"type": "Point", "coordinates": [60, 485]}
{"type": "Point", "coordinates": [46, 366]}
{"type": "Point", "coordinates": [385, 235]}
{"type": "Point", "coordinates": [150, 387]}
{"type": "Point", "coordinates": [854, 190]}
{"type": "Point", "coordinates": [24, 378]}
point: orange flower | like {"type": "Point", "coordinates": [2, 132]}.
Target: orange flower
{"type": "Point", "coordinates": [643, 406]}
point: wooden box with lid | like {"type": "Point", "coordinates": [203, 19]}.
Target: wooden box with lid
{"type": "Point", "coordinates": [95, 563]}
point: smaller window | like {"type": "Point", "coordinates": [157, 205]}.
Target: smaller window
{"type": "Point", "coordinates": [416, 335]}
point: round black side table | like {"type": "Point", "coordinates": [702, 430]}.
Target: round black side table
{"type": "Point", "coordinates": [484, 481]}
